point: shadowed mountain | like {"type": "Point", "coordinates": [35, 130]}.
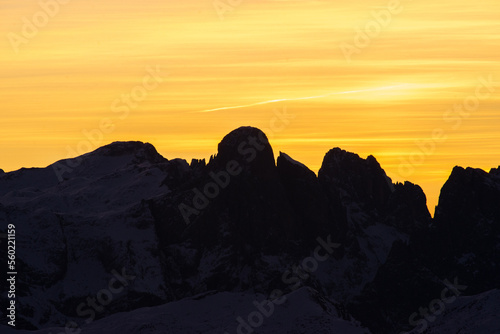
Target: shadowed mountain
{"type": "Point", "coordinates": [463, 243]}
{"type": "Point", "coordinates": [348, 244]}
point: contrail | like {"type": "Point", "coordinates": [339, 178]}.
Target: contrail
{"type": "Point", "coordinates": [304, 98]}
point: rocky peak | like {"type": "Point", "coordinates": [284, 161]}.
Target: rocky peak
{"type": "Point", "coordinates": [249, 147]}
{"type": "Point", "coordinates": [407, 208]}
{"type": "Point", "coordinates": [361, 180]}
{"type": "Point", "coordinates": [142, 151]}
{"type": "Point", "coordinates": [467, 221]}
{"type": "Point", "coordinates": [469, 191]}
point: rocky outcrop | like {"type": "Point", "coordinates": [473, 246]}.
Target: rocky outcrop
{"type": "Point", "coordinates": [356, 180]}
{"type": "Point", "coordinates": [406, 208]}
{"type": "Point", "coordinates": [307, 198]}
{"type": "Point", "coordinates": [467, 228]}
{"type": "Point", "coordinates": [461, 243]}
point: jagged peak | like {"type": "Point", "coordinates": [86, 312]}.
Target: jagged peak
{"type": "Point", "coordinates": [463, 186]}
{"type": "Point", "coordinates": [364, 179]}
{"type": "Point", "coordinates": [371, 160]}
{"type": "Point", "coordinates": [198, 163]}
{"type": "Point", "coordinates": [337, 154]}
{"type": "Point", "coordinates": [337, 160]}
{"type": "Point", "coordinates": [460, 174]}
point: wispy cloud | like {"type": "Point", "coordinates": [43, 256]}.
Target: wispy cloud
{"type": "Point", "coordinates": [306, 97]}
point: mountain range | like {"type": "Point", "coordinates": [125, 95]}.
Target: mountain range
{"type": "Point", "coordinates": [122, 240]}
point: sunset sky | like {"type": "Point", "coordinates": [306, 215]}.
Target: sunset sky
{"type": "Point", "coordinates": [429, 68]}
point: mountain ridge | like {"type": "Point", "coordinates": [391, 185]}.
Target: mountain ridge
{"type": "Point", "coordinates": [245, 222]}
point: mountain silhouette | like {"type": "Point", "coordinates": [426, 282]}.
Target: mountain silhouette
{"type": "Point", "coordinates": [247, 242]}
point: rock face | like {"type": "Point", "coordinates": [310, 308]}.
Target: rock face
{"type": "Point", "coordinates": [469, 195]}
{"type": "Point", "coordinates": [307, 199]}
{"type": "Point", "coordinates": [467, 227]}
{"type": "Point", "coordinates": [345, 246]}
{"type": "Point", "coordinates": [356, 180]}
{"type": "Point", "coordinates": [462, 243]}
{"type": "Point", "coordinates": [362, 188]}
{"type": "Point", "coordinates": [406, 208]}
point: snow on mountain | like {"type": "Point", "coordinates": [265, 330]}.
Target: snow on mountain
{"type": "Point", "coordinates": [121, 240]}
{"type": "Point", "coordinates": [226, 313]}
{"type": "Point", "coordinates": [476, 314]}
{"type": "Point", "coordinates": [302, 311]}
{"type": "Point", "coordinates": [71, 235]}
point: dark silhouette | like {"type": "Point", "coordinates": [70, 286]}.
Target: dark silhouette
{"type": "Point", "coordinates": [362, 252]}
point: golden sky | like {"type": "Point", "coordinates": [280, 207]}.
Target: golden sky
{"type": "Point", "coordinates": [425, 77]}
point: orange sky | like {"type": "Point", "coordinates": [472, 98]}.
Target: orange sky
{"type": "Point", "coordinates": [422, 70]}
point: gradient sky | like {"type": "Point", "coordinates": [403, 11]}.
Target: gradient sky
{"type": "Point", "coordinates": [393, 93]}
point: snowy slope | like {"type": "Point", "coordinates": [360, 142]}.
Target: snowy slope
{"type": "Point", "coordinates": [468, 315]}
{"type": "Point", "coordinates": [216, 313]}
{"type": "Point", "coordinates": [72, 235]}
